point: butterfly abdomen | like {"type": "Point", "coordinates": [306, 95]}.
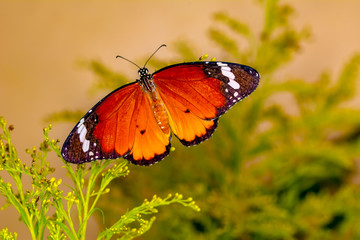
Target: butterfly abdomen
{"type": "Point", "coordinates": [159, 111]}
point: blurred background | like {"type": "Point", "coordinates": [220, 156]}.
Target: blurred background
{"type": "Point", "coordinates": [283, 164]}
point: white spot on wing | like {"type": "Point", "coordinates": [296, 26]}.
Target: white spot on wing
{"type": "Point", "coordinates": [226, 71]}
{"type": "Point", "coordinates": [81, 122]}
{"type": "Point", "coordinates": [82, 134]}
{"type": "Point", "coordinates": [85, 146]}
{"type": "Point", "coordinates": [232, 82]}
{"type": "Point", "coordinates": [80, 128]}
{"type": "Point", "coordinates": [221, 64]}
{"type": "Point", "coordinates": [236, 94]}
{"type": "Point", "coordinates": [225, 68]}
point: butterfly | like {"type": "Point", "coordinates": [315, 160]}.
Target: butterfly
{"type": "Point", "coordinates": [136, 121]}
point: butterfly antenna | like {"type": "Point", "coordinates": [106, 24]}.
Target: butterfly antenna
{"type": "Point", "coordinates": [128, 61]}
{"type": "Point", "coordinates": [163, 45]}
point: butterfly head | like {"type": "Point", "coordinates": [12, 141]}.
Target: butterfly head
{"type": "Point", "coordinates": [144, 72]}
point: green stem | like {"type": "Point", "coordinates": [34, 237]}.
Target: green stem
{"type": "Point", "coordinates": [83, 225]}
{"type": "Point", "coordinates": [29, 218]}
{"type": "Point", "coordinates": [96, 170]}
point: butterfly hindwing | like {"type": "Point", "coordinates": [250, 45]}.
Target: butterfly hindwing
{"type": "Point", "coordinates": [185, 124]}
{"type": "Point", "coordinates": [197, 93]}
{"type": "Point", "coordinates": [151, 143]}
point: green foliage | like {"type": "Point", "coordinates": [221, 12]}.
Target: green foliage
{"type": "Point", "coordinates": [74, 207]}
{"type": "Point", "coordinates": [5, 234]}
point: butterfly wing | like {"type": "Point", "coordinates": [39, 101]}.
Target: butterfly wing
{"type": "Point", "coordinates": [120, 125]}
{"type": "Point", "coordinates": [197, 93]}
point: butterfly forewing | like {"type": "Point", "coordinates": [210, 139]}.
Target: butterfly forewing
{"type": "Point", "coordinates": [120, 125]}
{"type": "Point", "coordinates": [197, 93]}
{"type": "Point", "coordinates": [94, 137]}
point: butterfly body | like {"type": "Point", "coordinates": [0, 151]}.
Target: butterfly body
{"type": "Point", "coordinates": [157, 105]}
{"type": "Point", "coordinates": [136, 120]}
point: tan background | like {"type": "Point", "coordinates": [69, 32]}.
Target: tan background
{"type": "Point", "coordinates": [41, 44]}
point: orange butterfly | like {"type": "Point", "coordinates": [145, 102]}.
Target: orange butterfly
{"type": "Point", "coordinates": [135, 121]}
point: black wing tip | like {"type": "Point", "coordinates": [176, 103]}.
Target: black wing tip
{"type": "Point", "coordinates": [255, 74]}
{"type": "Point", "coordinates": [78, 159]}
{"type": "Point", "coordinates": [144, 162]}
{"type": "Point", "coordinates": [66, 155]}
{"type": "Point", "coordinates": [202, 138]}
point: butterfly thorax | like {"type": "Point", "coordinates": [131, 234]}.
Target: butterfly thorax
{"type": "Point", "coordinates": [157, 105]}
{"type": "Point", "coordinates": [146, 80]}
